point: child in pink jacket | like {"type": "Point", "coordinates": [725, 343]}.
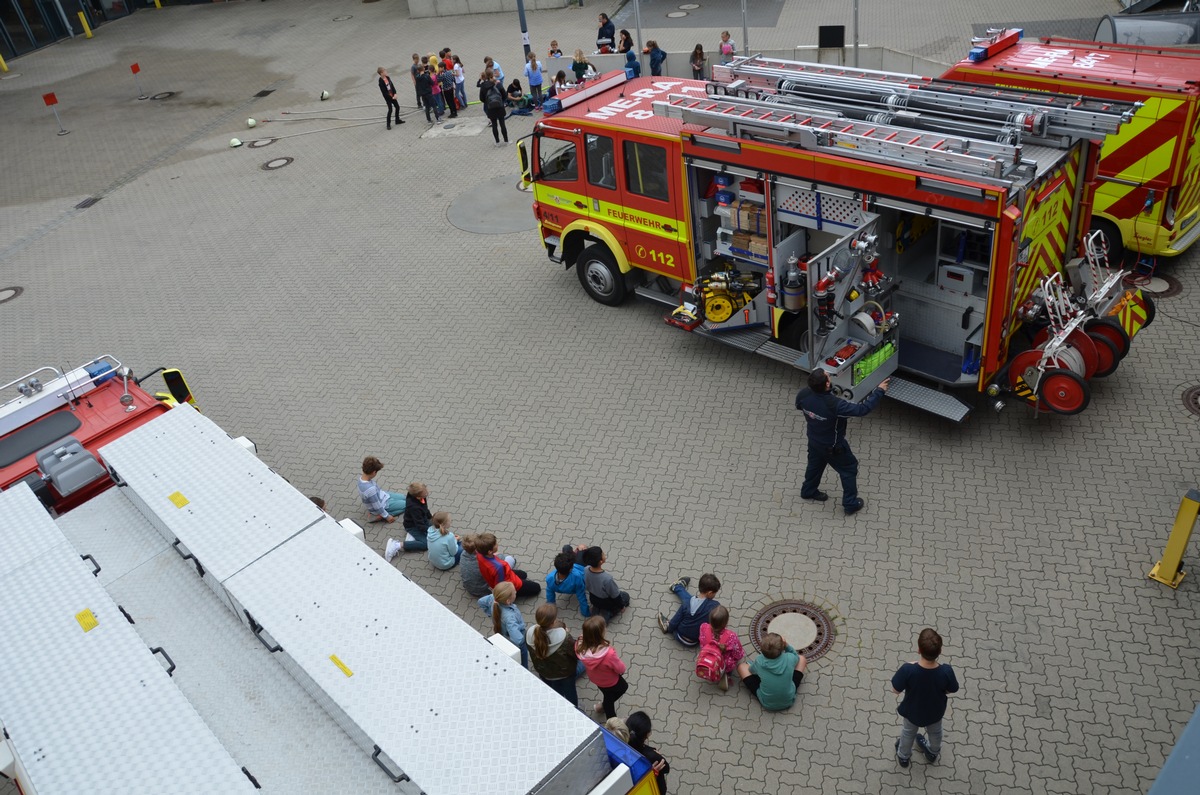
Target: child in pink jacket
{"type": "Point", "coordinates": [604, 666]}
{"type": "Point", "coordinates": [717, 633]}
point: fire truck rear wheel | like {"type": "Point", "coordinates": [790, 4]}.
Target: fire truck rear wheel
{"type": "Point", "coordinates": [1111, 330]}
{"type": "Point", "coordinates": [1064, 391]}
{"type": "Point", "coordinates": [1106, 355]}
{"type": "Point", "coordinates": [1112, 236]}
{"type": "Point", "coordinates": [1151, 311]}
{"type": "Point", "coordinates": [600, 276]}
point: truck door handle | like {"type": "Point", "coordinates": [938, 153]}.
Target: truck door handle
{"type": "Point", "coordinates": [580, 205]}
{"type": "Point", "coordinates": [668, 228]}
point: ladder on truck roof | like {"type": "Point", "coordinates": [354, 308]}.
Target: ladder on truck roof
{"type": "Point", "coordinates": [1034, 113]}
{"type": "Point", "coordinates": [824, 130]}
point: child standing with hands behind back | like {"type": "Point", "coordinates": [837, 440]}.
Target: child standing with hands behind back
{"type": "Point", "coordinates": [604, 666]}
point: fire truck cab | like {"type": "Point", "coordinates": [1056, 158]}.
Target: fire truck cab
{"type": "Point", "coordinates": [858, 221]}
{"type": "Point", "coordinates": [1148, 199]}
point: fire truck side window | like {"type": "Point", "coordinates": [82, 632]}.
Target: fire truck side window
{"type": "Point", "coordinates": [600, 168]}
{"type": "Point", "coordinates": [646, 170]}
{"type": "Point", "coordinates": [558, 160]}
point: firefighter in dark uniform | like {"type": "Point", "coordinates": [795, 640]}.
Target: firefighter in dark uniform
{"type": "Point", "coordinates": [827, 444]}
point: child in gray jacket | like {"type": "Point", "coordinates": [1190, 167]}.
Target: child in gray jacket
{"type": "Point", "coordinates": [607, 599]}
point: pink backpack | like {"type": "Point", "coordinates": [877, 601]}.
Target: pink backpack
{"type": "Point", "coordinates": [710, 664]}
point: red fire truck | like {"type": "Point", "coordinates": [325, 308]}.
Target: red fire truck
{"type": "Point", "coordinates": [848, 219]}
{"type": "Point", "coordinates": [1148, 198]}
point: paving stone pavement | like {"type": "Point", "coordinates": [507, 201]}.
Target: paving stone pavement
{"type": "Point", "coordinates": [329, 310]}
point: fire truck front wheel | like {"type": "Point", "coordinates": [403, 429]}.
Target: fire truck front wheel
{"type": "Point", "coordinates": [1112, 239]}
{"type": "Point", "coordinates": [600, 276]}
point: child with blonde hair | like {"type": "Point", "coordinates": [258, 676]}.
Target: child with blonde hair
{"type": "Point", "coordinates": [604, 666]}
{"type": "Point", "coordinates": [501, 603]}
{"type": "Point", "coordinates": [445, 548]}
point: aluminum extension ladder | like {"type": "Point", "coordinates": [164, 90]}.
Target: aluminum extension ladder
{"type": "Point", "coordinates": [824, 130]}
{"type": "Point", "coordinates": [1036, 113]}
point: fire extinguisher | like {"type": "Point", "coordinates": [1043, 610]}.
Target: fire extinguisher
{"type": "Point", "coordinates": [771, 285]}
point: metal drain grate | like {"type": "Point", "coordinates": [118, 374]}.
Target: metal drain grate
{"type": "Point", "coordinates": [1191, 399]}
{"type": "Point", "coordinates": [266, 92]}
{"type": "Point", "coordinates": [9, 293]}
{"type": "Point", "coordinates": [1161, 286]}
{"type": "Point", "coordinates": [88, 202]}
{"type": "Point", "coordinates": [826, 633]}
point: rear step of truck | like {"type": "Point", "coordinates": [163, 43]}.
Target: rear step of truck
{"type": "Point", "coordinates": [758, 340]}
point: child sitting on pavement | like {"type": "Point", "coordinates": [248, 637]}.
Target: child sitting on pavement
{"type": "Point", "coordinates": [607, 599]}
{"type": "Point", "coordinates": [568, 578]}
{"type": "Point", "coordinates": [693, 611]}
{"type": "Point", "coordinates": [468, 569]}
{"type": "Point", "coordinates": [445, 548]}
{"type": "Point", "coordinates": [716, 636]}
{"type": "Point", "coordinates": [775, 674]}
{"type": "Point", "coordinates": [501, 604]}
{"type": "Point", "coordinates": [496, 570]}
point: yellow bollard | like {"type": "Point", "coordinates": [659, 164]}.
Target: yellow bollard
{"type": "Point", "coordinates": [3, 65]}
{"type": "Point", "coordinates": [1169, 570]}
{"type": "Point", "coordinates": [157, 5]}
{"type": "Point", "coordinates": [87, 31]}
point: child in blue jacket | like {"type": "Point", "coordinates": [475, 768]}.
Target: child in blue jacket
{"type": "Point", "coordinates": [693, 610]}
{"type": "Point", "coordinates": [567, 578]}
{"type": "Point", "coordinates": [501, 603]}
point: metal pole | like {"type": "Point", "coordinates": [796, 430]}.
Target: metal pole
{"type": "Point", "coordinates": [855, 33]}
{"type": "Point", "coordinates": [61, 131]}
{"type": "Point", "coordinates": [524, 27]}
{"type": "Point", "coordinates": [637, 21]}
{"type": "Point", "coordinates": [745, 32]}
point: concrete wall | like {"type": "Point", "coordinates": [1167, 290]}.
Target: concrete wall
{"type": "Point", "coordinates": [446, 8]}
{"type": "Point", "coordinates": [677, 64]}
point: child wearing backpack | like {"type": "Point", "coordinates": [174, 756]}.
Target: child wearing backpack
{"type": "Point", "coordinates": [491, 95]}
{"type": "Point", "coordinates": [720, 649]}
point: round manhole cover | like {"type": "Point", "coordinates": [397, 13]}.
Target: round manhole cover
{"type": "Point", "coordinates": [260, 143]}
{"type": "Point", "coordinates": [278, 162]}
{"type": "Point", "coordinates": [689, 6]}
{"type": "Point", "coordinates": [163, 95]}
{"type": "Point", "coordinates": [677, 14]}
{"type": "Point", "coordinates": [1191, 398]}
{"type": "Point", "coordinates": [343, 18]}
{"type": "Point", "coordinates": [493, 208]}
{"type": "Point", "coordinates": [808, 628]}
{"type": "Point", "coordinates": [9, 293]}
{"type": "Point", "coordinates": [1162, 286]}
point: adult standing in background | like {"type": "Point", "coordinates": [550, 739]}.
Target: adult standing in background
{"type": "Point", "coordinates": [605, 34]}
{"type": "Point", "coordinates": [388, 89]}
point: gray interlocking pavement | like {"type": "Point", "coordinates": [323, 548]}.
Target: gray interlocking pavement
{"type": "Point", "coordinates": [329, 310]}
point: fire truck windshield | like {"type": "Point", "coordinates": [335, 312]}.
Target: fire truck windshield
{"type": "Point", "coordinates": [557, 160]}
